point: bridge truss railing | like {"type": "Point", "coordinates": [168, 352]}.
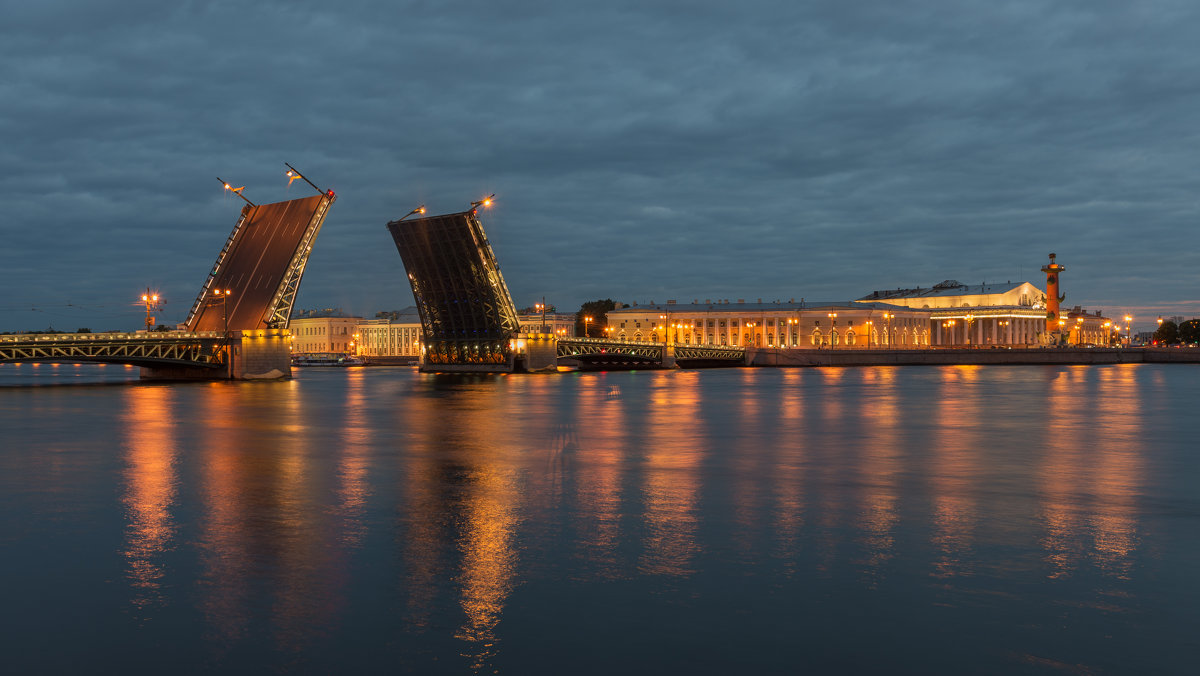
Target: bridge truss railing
{"type": "Point", "coordinates": [205, 348]}
{"type": "Point", "coordinates": [568, 347]}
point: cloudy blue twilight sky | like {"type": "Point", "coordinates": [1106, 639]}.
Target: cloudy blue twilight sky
{"type": "Point", "coordinates": [640, 150]}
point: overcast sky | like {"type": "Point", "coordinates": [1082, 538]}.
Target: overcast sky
{"type": "Point", "coordinates": [641, 151]}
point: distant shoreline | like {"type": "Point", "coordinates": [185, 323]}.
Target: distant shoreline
{"type": "Point", "coordinates": [785, 357]}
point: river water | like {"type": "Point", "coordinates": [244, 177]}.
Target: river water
{"type": "Point", "coordinates": [856, 520]}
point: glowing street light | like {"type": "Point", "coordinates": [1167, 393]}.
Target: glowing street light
{"type": "Point", "coordinates": [292, 174]}
{"type": "Point", "coordinates": [1128, 335]}
{"type": "Point", "coordinates": [223, 294]}
{"type": "Point", "coordinates": [236, 191]}
{"type": "Point", "coordinates": [152, 305]}
{"type": "Point", "coordinates": [586, 320]}
{"type": "Point", "coordinates": [418, 210]}
{"type": "Point", "coordinates": [485, 202]}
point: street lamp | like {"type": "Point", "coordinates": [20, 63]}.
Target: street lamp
{"type": "Point", "coordinates": [418, 210]}
{"type": "Point", "coordinates": [970, 320]}
{"type": "Point", "coordinates": [832, 332]}
{"type": "Point", "coordinates": [485, 202]}
{"type": "Point", "coordinates": [1128, 334]}
{"type": "Point", "coordinates": [870, 325]}
{"type": "Point", "coordinates": [542, 306]}
{"type": "Point", "coordinates": [949, 324]}
{"type": "Point", "coordinates": [793, 330]}
{"type": "Point", "coordinates": [586, 320]}
{"type": "Point", "coordinates": [152, 305]}
{"type": "Point", "coordinates": [888, 316]}
{"type": "Point", "coordinates": [223, 294]}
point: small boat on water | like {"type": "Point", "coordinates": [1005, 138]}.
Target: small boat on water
{"type": "Point", "coordinates": [325, 359]}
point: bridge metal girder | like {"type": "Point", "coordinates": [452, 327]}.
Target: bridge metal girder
{"type": "Point", "coordinates": [467, 314]}
{"type": "Point", "coordinates": [279, 312]}
{"type": "Point", "coordinates": [709, 353]}
{"type": "Point", "coordinates": [569, 347]}
{"type": "Point", "coordinates": [188, 350]}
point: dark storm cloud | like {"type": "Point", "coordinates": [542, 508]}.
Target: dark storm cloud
{"type": "Point", "coordinates": [640, 150]}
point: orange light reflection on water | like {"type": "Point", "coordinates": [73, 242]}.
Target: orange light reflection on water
{"type": "Point", "coordinates": [672, 456]}
{"type": "Point", "coordinates": [150, 488]}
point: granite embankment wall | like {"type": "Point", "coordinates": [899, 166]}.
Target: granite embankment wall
{"type": "Point", "coordinates": [952, 356]}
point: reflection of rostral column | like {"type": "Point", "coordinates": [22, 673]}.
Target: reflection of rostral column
{"type": "Point", "coordinates": [1052, 271]}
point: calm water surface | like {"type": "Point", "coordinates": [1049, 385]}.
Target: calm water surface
{"type": "Point", "coordinates": [878, 520]}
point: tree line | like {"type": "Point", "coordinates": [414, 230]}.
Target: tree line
{"type": "Point", "coordinates": [1170, 333]}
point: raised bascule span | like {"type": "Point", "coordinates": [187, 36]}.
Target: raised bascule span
{"type": "Point", "coordinates": [237, 326]}
{"type": "Point", "coordinates": [468, 319]}
{"type": "Point", "coordinates": [261, 264]}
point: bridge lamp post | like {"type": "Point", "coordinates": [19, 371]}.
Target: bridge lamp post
{"type": "Point", "coordinates": [418, 210]}
{"type": "Point", "coordinates": [223, 294]}
{"type": "Point", "coordinates": [587, 319]}
{"type": "Point", "coordinates": [152, 305]}
{"type": "Point", "coordinates": [485, 202]}
{"type": "Point", "coordinates": [1128, 335]}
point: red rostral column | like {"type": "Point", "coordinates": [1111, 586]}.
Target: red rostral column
{"type": "Point", "coordinates": [1053, 298]}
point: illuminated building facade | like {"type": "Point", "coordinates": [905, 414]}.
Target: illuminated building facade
{"type": "Point", "coordinates": [775, 324]}
{"type": "Point", "coordinates": [395, 334]}
{"type": "Point", "coordinates": [559, 323]}
{"type": "Point", "coordinates": [323, 331]}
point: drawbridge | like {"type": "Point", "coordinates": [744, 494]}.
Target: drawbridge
{"type": "Point", "coordinates": [469, 322]}
{"type": "Point", "coordinates": [236, 327]}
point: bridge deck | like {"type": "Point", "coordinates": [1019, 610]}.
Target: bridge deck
{"type": "Point", "coordinates": [257, 262]}
{"type": "Point", "coordinates": [202, 349]}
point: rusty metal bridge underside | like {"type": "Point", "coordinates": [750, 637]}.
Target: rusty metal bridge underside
{"type": "Point", "coordinates": [169, 348]}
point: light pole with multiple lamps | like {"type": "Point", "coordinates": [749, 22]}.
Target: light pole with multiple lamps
{"type": "Point", "coordinates": [152, 305]}
{"type": "Point", "coordinates": [586, 320]}
{"type": "Point", "coordinates": [1128, 333]}
{"type": "Point", "coordinates": [888, 316]}
{"type": "Point", "coordinates": [223, 295]}
{"type": "Point", "coordinates": [832, 331]}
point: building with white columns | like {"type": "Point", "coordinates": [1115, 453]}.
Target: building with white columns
{"type": "Point", "coordinates": [842, 324]}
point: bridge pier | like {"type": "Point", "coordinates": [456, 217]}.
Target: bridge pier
{"type": "Point", "coordinates": [668, 358]}
{"type": "Point", "coordinates": [257, 354]}
{"type": "Point", "coordinates": [541, 352]}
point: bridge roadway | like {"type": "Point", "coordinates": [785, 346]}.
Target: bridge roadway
{"type": "Point", "coordinates": [603, 351]}
{"type": "Point", "coordinates": [202, 349]}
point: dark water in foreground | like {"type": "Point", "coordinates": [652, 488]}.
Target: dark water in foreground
{"type": "Point", "coordinates": [879, 520]}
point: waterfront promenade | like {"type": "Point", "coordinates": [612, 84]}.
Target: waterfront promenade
{"type": "Point", "coordinates": [967, 356]}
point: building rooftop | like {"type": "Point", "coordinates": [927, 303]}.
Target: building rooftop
{"type": "Point", "coordinates": [950, 287]}
{"type": "Point", "coordinates": [777, 306]}
{"type": "Point", "coordinates": [322, 313]}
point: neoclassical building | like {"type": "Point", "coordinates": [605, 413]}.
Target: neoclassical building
{"type": "Point", "coordinates": [774, 324]}
{"type": "Point", "coordinates": [1008, 314]}
{"type": "Point", "coordinates": [949, 314]}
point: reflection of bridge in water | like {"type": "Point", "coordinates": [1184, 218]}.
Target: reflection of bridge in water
{"type": "Point", "coordinates": [237, 328]}
{"type": "Point", "coordinates": [469, 322]}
